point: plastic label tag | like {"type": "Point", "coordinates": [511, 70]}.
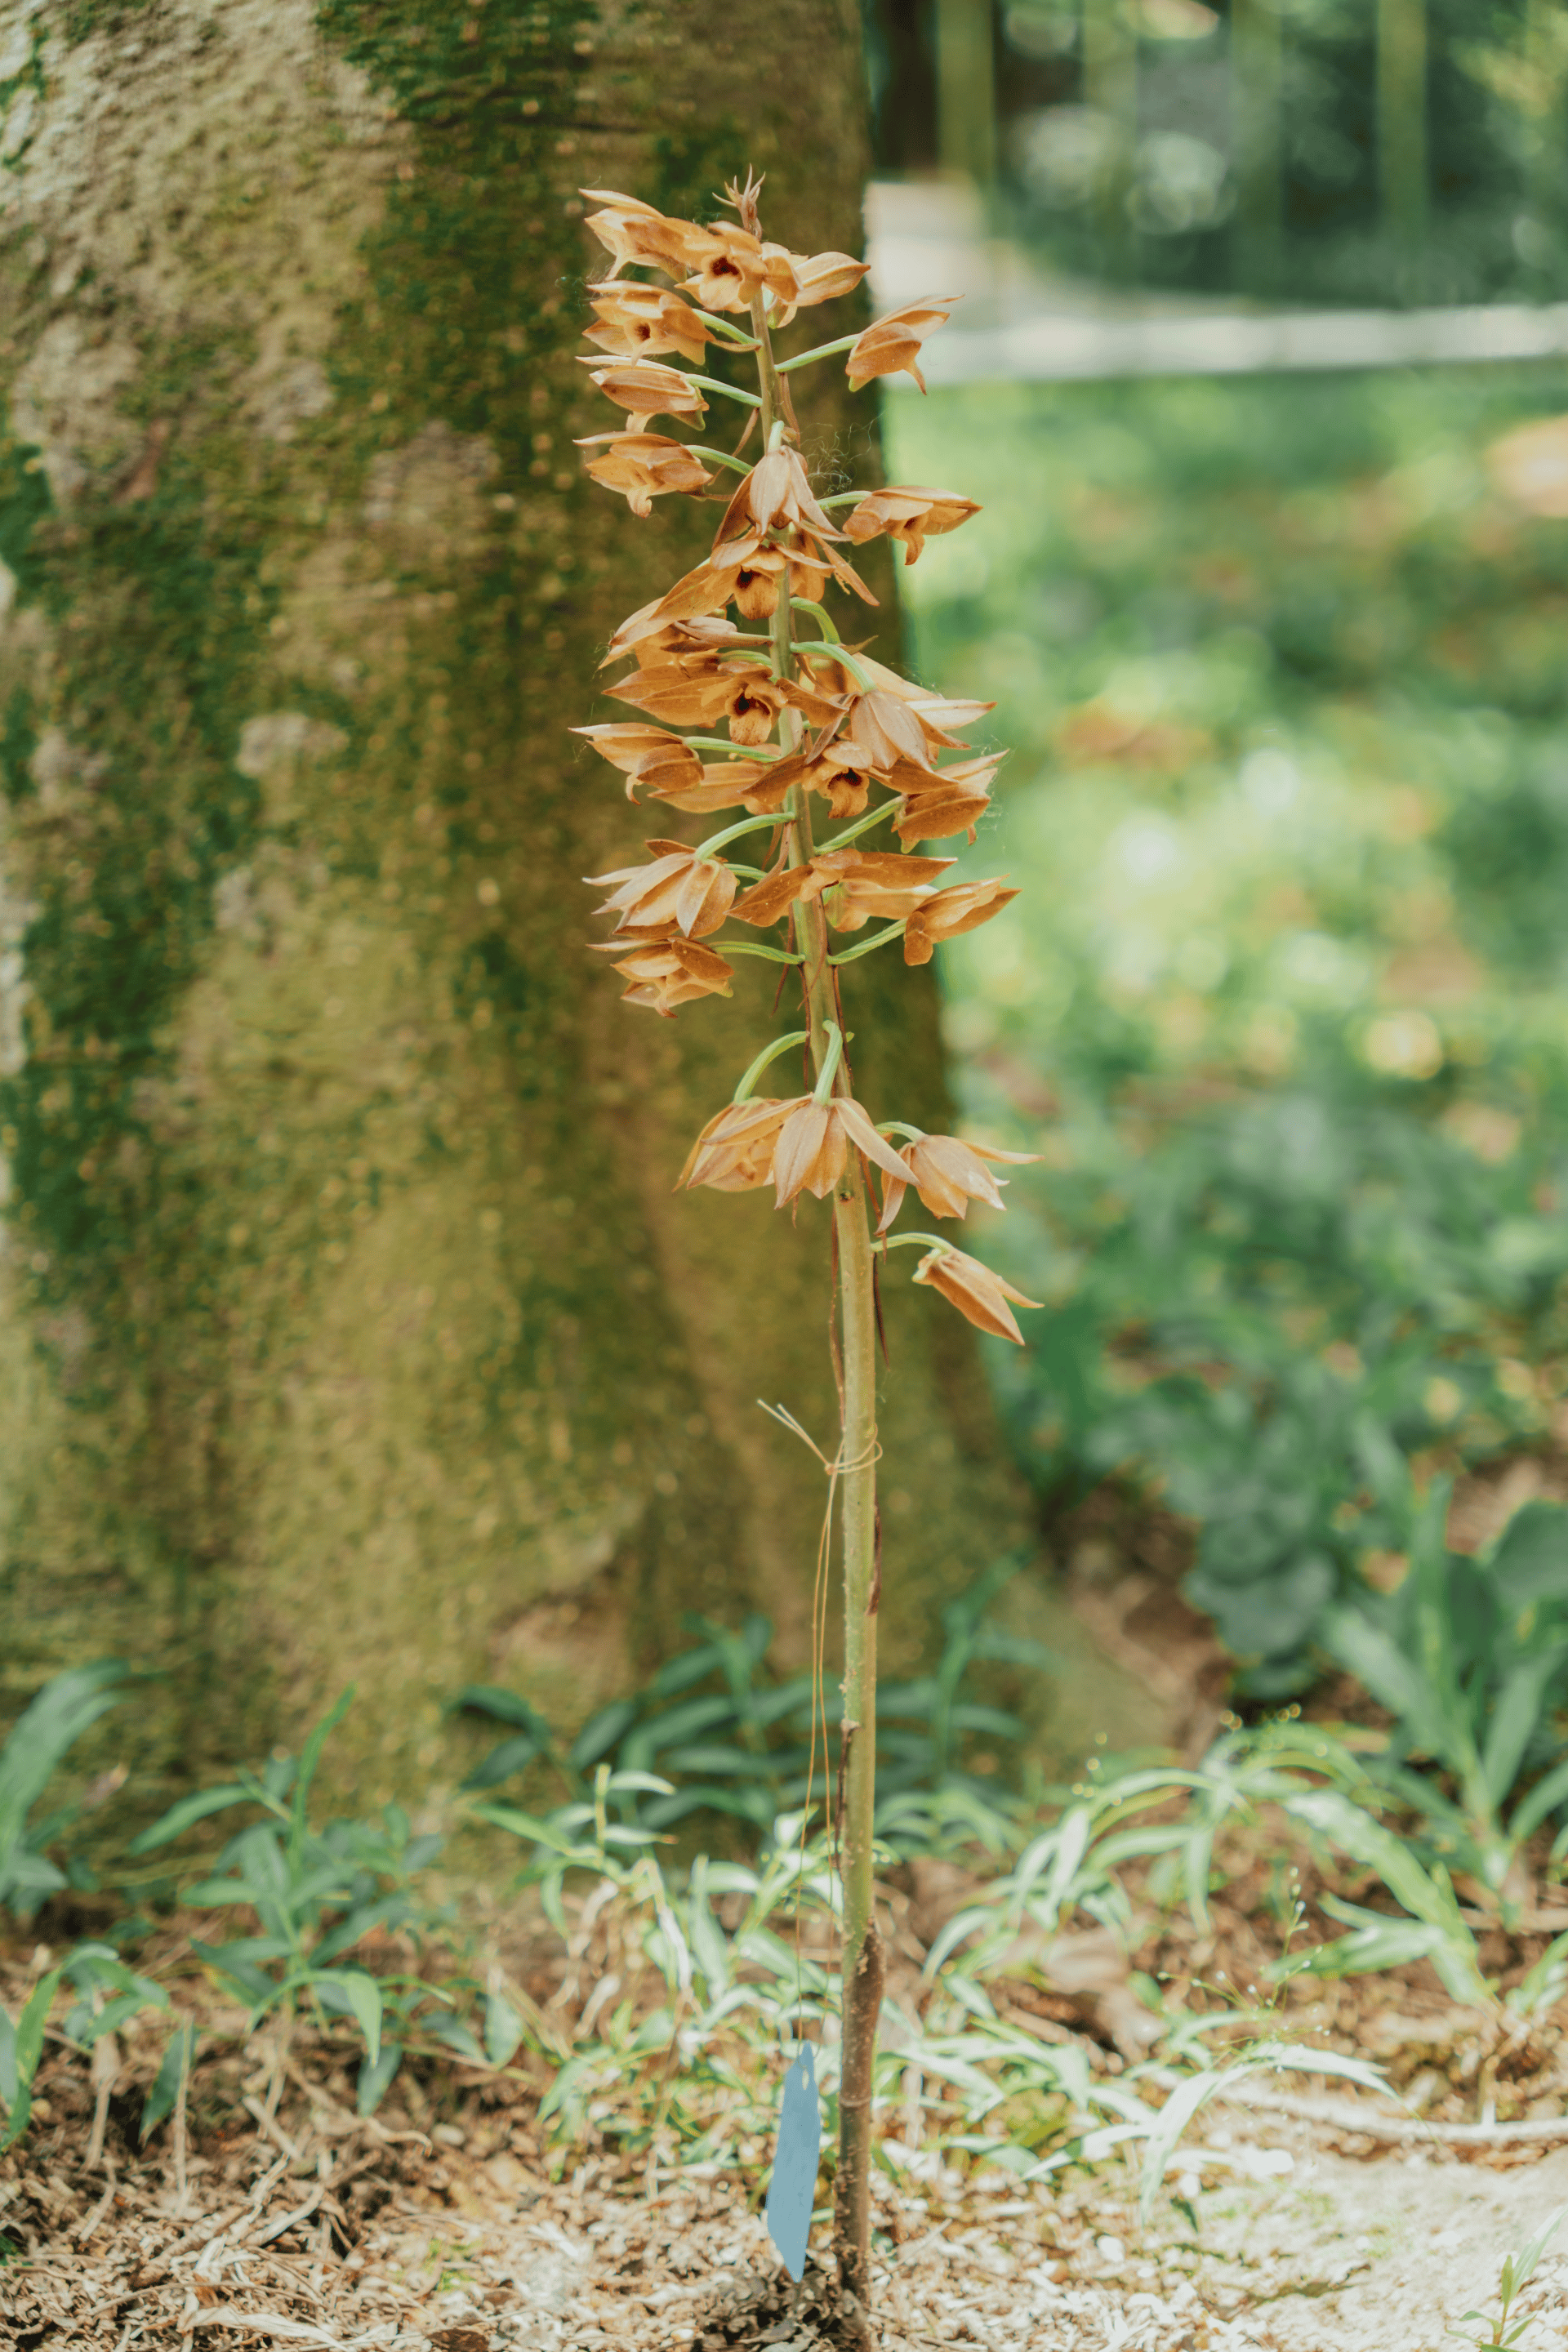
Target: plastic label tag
{"type": "Point", "coordinates": [791, 2191]}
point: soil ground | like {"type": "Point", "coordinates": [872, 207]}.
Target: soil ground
{"type": "Point", "coordinates": [318, 2227]}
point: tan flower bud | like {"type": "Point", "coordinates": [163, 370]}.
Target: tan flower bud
{"type": "Point", "coordinates": [891, 345]}
{"type": "Point", "coordinates": [644, 466]}
{"type": "Point", "coordinates": [978, 1294]}
{"type": "Point", "coordinates": [646, 755]}
{"type": "Point", "coordinates": [734, 1152]}
{"type": "Point", "coordinates": [664, 973]}
{"type": "Point", "coordinates": [693, 893]}
{"type": "Point", "coordinates": [947, 1173]}
{"type": "Point", "coordinates": [648, 388]}
{"type": "Point", "coordinates": [962, 909]}
{"type": "Point", "coordinates": [911, 515]}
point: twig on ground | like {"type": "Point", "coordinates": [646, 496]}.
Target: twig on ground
{"type": "Point", "coordinates": [85, 2229]}
{"type": "Point", "coordinates": [268, 2122]}
{"type": "Point", "coordinates": [1349, 2116]}
{"type": "Point", "coordinates": [105, 2074]}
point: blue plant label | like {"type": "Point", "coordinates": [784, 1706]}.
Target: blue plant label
{"type": "Point", "coordinates": [791, 2191]}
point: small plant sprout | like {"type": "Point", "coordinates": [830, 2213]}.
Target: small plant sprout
{"type": "Point", "coordinates": [814, 733]}
{"type": "Point", "coordinates": [1518, 2270]}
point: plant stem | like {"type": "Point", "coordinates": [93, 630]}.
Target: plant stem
{"type": "Point", "coordinates": [862, 1951]}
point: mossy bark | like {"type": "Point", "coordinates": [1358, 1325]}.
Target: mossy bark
{"type": "Point", "coordinates": [354, 1331]}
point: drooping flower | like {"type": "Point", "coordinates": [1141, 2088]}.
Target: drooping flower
{"type": "Point", "coordinates": [875, 884]}
{"type": "Point", "coordinates": [942, 917]}
{"type": "Point", "coordinates": [734, 1152]}
{"type": "Point", "coordinates": [731, 264]}
{"type": "Point", "coordinates": [649, 756]}
{"type": "Point", "coordinates": [864, 884]}
{"type": "Point", "coordinates": [814, 1144]}
{"type": "Point", "coordinates": [700, 694]}
{"type": "Point", "coordinates": [947, 1173]}
{"type": "Point", "coordinates": [887, 729]}
{"type": "Point", "coordinates": [647, 388]}
{"type": "Point", "coordinates": [840, 773]}
{"type": "Point", "coordinates": [891, 344]}
{"type": "Point", "coordinates": [937, 804]}
{"type": "Point", "coordinates": [643, 467]}
{"type": "Point", "coordinates": [976, 1292]}
{"type": "Point", "coordinates": [905, 513]}
{"type": "Point", "coordinates": [776, 494]}
{"type": "Point", "coordinates": [638, 234]}
{"type": "Point", "coordinates": [693, 893]}
{"type": "Point", "coordinates": [665, 972]}
{"type": "Point", "coordinates": [645, 322]}
{"type": "Point", "coordinates": [651, 641]}
{"type": "Point", "coordinates": [823, 277]}
{"type": "Point", "coordinates": [730, 783]}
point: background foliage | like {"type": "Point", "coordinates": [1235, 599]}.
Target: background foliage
{"type": "Point", "coordinates": [1283, 661]}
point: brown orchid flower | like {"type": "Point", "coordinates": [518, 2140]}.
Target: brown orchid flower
{"type": "Point", "coordinates": [756, 581]}
{"type": "Point", "coordinates": [648, 389]}
{"type": "Point", "coordinates": [939, 711]}
{"type": "Point", "coordinates": [697, 696]}
{"type": "Point", "coordinates": [838, 772]}
{"type": "Point", "coordinates": [947, 1173]}
{"type": "Point", "coordinates": [745, 693]}
{"type": "Point", "coordinates": [731, 264]}
{"type": "Point", "coordinates": [962, 909]}
{"type": "Point", "coordinates": [664, 973]}
{"type": "Point", "coordinates": [636, 234]}
{"type": "Point", "coordinates": [775, 495]}
{"type": "Point", "coordinates": [951, 800]}
{"type": "Point", "coordinates": [693, 893]}
{"type": "Point", "coordinates": [823, 277]}
{"type": "Point", "coordinates": [644, 466]}
{"type": "Point", "coordinates": [891, 345]}
{"type": "Point", "coordinates": [864, 883]}
{"type": "Point", "coordinates": [908, 514]}
{"type": "Point", "coordinates": [731, 783]}
{"type": "Point", "coordinates": [644, 322]}
{"type": "Point", "coordinates": [814, 1144]}
{"type": "Point", "coordinates": [651, 641]}
{"type": "Point", "coordinates": [975, 1291]}
{"type": "Point", "coordinates": [876, 884]}
{"type": "Point", "coordinates": [734, 1152]}
{"type": "Point", "coordinates": [886, 730]}
{"type": "Point", "coordinates": [649, 756]}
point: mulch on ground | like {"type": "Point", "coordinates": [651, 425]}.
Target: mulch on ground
{"type": "Point", "coordinates": [1309, 2219]}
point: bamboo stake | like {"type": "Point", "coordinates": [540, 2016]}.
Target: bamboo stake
{"type": "Point", "coordinates": [862, 1958]}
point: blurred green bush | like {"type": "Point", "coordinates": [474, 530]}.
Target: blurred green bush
{"type": "Point", "coordinates": [1283, 663]}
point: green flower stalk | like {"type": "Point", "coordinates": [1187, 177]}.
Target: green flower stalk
{"type": "Point", "coordinates": [807, 719]}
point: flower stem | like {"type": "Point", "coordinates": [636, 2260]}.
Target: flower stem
{"type": "Point", "coordinates": [730, 391]}
{"type": "Point", "coordinates": [769, 1054]}
{"type": "Point", "coordinates": [821, 352]}
{"type": "Point", "coordinates": [820, 615]}
{"type": "Point", "coordinates": [867, 947]}
{"type": "Point", "coordinates": [718, 456]}
{"type": "Point", "coordinates": [839, 654]}
{"type": "Point", "coordinates": [856, 1482]}
{"type": "Point", "coordinates": [862, 824]}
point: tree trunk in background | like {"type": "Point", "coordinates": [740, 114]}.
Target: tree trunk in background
{"type": "Point", "coordinates": [354, 1331]}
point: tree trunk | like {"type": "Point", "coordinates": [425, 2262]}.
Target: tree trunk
{"type": "Point", "coordinates": [355, 1332]}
